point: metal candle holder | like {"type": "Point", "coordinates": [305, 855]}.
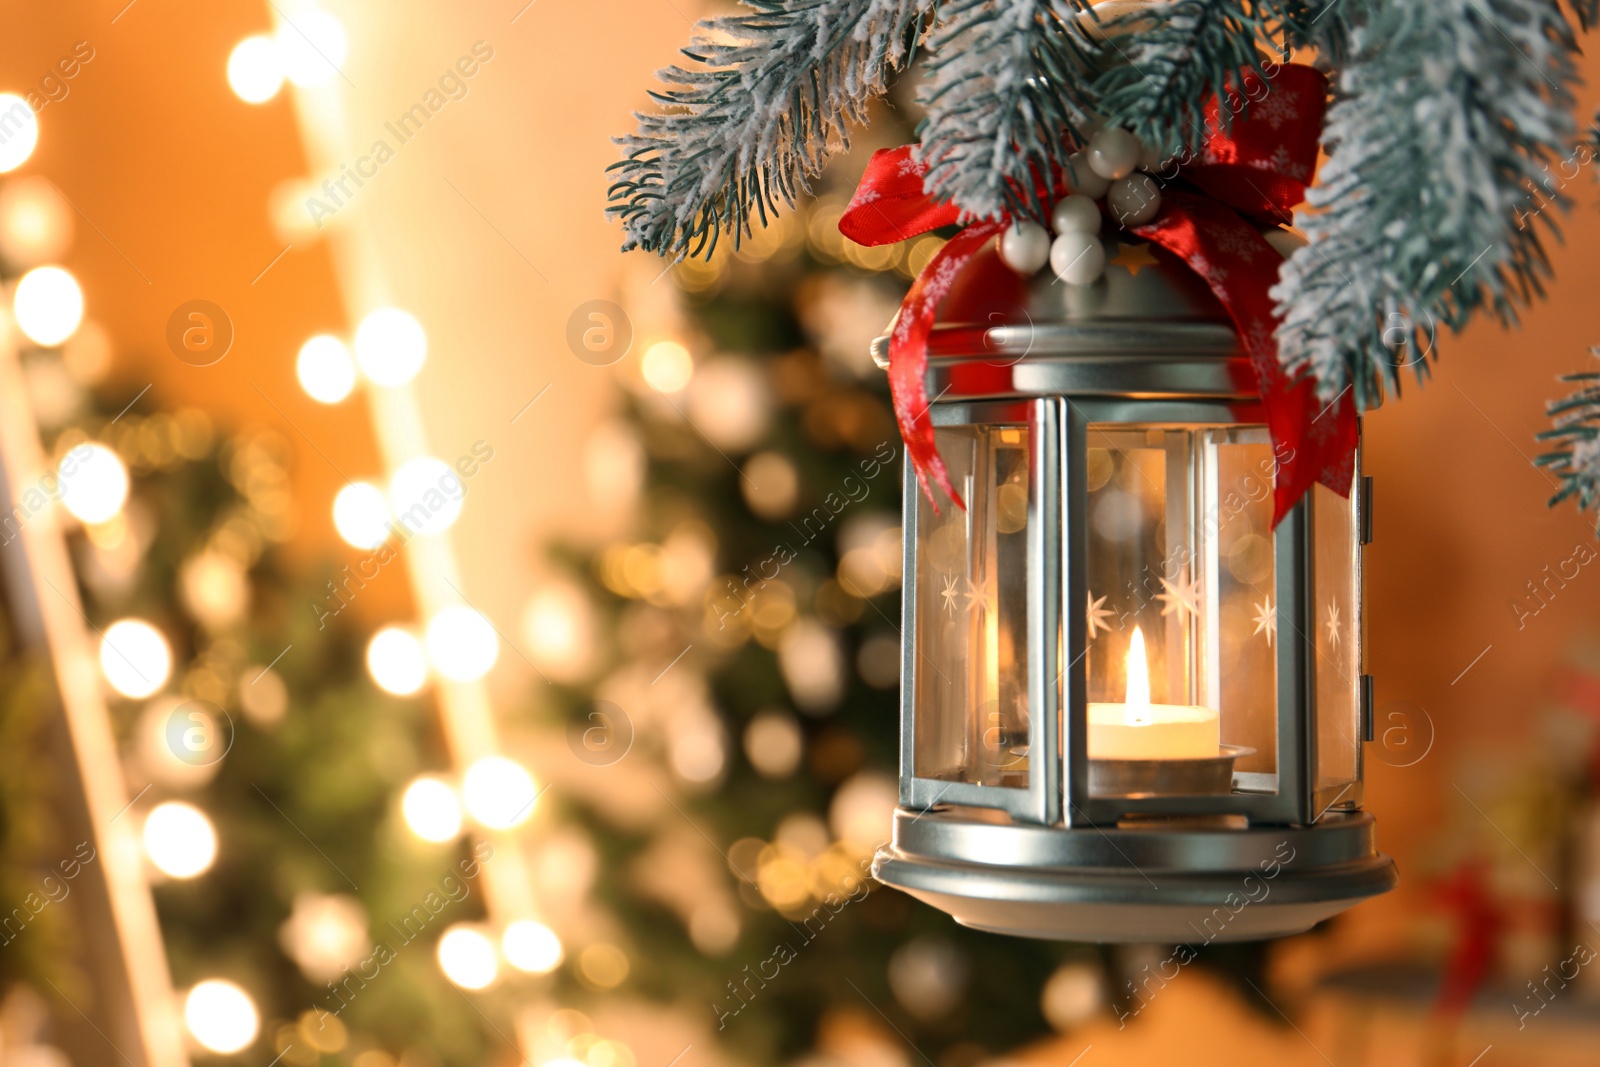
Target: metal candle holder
{"type": "Point", "coordinates": [1000, 657]}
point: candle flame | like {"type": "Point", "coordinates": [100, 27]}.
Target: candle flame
{"type": "Point", "coordinates": [1137, 701]}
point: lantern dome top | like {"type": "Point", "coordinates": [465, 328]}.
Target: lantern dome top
{"type": "Point", "coordinates": [1148, 327]}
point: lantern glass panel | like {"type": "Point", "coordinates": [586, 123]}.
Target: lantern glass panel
{"type": "Point", "coordinates": [1181, 553]}
{"type": "Point", "coordinates": [971, 671]}
{"type": "Point", "coordinates": [1336, 607]}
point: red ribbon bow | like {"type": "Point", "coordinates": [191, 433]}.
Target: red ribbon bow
{"type": "Point", "coordinates": [1255, 166]}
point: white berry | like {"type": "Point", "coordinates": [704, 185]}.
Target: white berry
{"type": "Point", "coordinates": [1082, 177]}
{"type": "Point", "coordinates": [1024, 247]}
{"type": "Point", "coordinates": [1134, 200]}
{"type": "Point", "coordinates": [1078, 258]}
{"type": "Point", "coordinates": [1076, 212]}
{"type": "Point", "coordinates": [1114, 152]}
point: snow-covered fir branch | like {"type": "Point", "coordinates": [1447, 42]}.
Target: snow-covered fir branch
{"type": "Point", "coordinates": [1447, 113]}
{"type": "Point", "coordinates": [767, 98]}
{"type": "Point", "coordinates": [1003, 96]}
{"type": "Point", "coordinates": [1179, 52]}
{"type": "Point", "coordinates": [1576, 428]}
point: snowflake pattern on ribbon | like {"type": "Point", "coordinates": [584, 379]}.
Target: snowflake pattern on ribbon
{"type": "Point", "coordinates": [1277, 107]}
{"type": "Point", "coordinates": [1239, 244]}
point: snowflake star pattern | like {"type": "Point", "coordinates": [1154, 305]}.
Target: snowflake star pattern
{"type": "Point", "coordinates": [1183, 599]}
{"type": "Point", "coordinates": [1266, 620]}
{"type": "Point", "coordinates": [950, 593]}
{"type": "Point", "coordinates": [1333, 625]}
{"type": "Point", "coordinates": [974, 596]}
{"type": "Point", "coordinates": [1098, 614]}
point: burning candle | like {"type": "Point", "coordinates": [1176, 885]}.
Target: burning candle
{"type": "Point", "coordinates": [1138, 729]}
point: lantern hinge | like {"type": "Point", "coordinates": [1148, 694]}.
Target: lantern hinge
{"type": "Point", "coordinates": [1366, 509]}
{"type": "Point", "coordinates": [1368, 731]}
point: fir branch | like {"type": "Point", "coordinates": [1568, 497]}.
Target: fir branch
{"type": "Point", "coordinates": [767, 99]}
{"type": "Point", "coordinates": [1448, 112]}
{"type": "Point", "coordinates": [1004, 92]}
{"type": "Point", "coordinates": [1577, 428]}
{"type": "Point", "coordinates": [1191, 49]}
{"type": "Point", "coordinates": [1587, 12]}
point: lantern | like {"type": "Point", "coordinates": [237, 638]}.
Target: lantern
{"type": "Point", "coordinates": [1132, 709]}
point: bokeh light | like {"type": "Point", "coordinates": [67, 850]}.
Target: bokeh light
{"type": "Point", "coordinates": [311, 47]}
{"type": "Point", "coordinates": [94, 483]}
{"type": "Point", "coordinates": [667, 366]}
{"type": "Point", "coordinates": [462, 644]}
{"type": "Point", "coordinates": [396, 661]}
{"type": "Point", "coordinates": [390, 346]}
{"type": "Point", "coordinates": [431, 810]}
{"type": "Point", "coordinates": [531, 946]}
{"type": "Point", "coordinates": [36, 222]}
{"type": "Point", "coordinates": [559, 628]}
{"type": "Point", "coordinates": [19, 131]}
{"type": "Point", "coordinates": [48, 305]}
{"type": "Point", "coordinates": [498, 792]}
{"type": "Point", "coordinates": [255, 70]}
{"type": "Point", "coordinates": [603, 966]}
{"type": "Point", "coordinates": [135, 658]}
{"type": "Point", "coordinates": [179, 839]}
{"type": "Point", "coordinates": [773, 743]}
{"type": "Point", "coordinates": [221, 1016]}
{"type": "Point", "coordinates": [466, 955]}
{"type": "Point", "coordinates": [361, 515]}
{"type": "Point", "coordinates": [326, 371]}
{"type": "Point", "coordinates": [426, 495]}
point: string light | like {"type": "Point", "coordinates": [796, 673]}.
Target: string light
{"type": "Point", "coordinates": [94, 483]}
{"type": "Point", "coordinates": [462, 644]}
{"type": "Point", "coordinates": [531, 946]}
{"type": "Point", "coordinates": [361, 515]}
{"type": "Point", "coordinates": [498, 792]}
{"type": "Point", "coordinates": [179, 839]}
{"type": "Point", "coordinates": [667, 366]}
{"type": "Point", "coordinates": [135, 658]}
{"type": "Point", "coordinates": [311, 47]}
{"type": "Point", "coordinates": [426, 494]}
{"type": "Point", "coordinates": [255, 69]}
{"type": "Point", "coordinates": [396, 661]}
{"type": "Point", "coordinates": [390, 346]}
{"type": "Point", "coordinates": [467, 957]}
{"type": "Point", "coordinates": [431, 810]}
{"type": "Point", "coordinates": [221, 1016]}
{"type": "Point", "coordinates": [22, 131]}
{"type": "Point", "coordinates": [48, 303]}
{"type": "Point", "coordinates": [325, 369]}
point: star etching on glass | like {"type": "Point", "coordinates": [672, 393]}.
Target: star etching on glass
{"type": "Point", "coordinates": [1098, 614]}
{"type": "Point", "coordinates": [1266, 620]}
{"type": "Point", "coordinates": [1182, 598]}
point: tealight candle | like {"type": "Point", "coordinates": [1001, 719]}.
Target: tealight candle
{"type": "Point", "coordinates": [1138, 729]}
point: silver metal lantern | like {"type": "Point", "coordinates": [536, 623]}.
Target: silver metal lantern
{"type": "Point", "coordinates": [1132, 711]}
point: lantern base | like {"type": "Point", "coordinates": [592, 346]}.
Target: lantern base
{"type": "Point", "coordinates": [1149, 883]}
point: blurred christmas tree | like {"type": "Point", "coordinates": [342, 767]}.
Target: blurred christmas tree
{"type": "Point", "coordinates": [754, 679]}
{"type": "Point", "coordinates": [267, 765]}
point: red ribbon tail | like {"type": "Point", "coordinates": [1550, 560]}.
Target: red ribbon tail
{"type": "Point", "coordinates": [908, 355]}
{"type": "Point", "coordinates": [1312, 442]}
